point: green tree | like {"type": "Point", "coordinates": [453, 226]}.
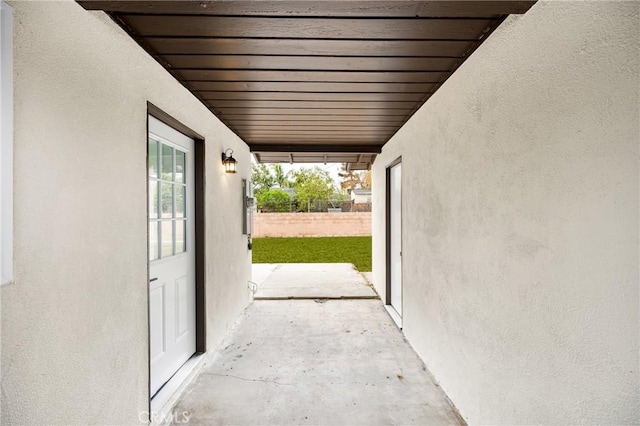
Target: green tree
{"type": "Point", "coordinates": [273, 200]}
{"type": "Point", "coordinates": [266, 176]}
{"type": "Point", "coordinates": [262, 178]}
{"type": "Point", "coordinates": [339, 196]}
{"type": "Point", "coordinates": [280, 177]}
{"type": "Point", "coordinates": [311, 184]}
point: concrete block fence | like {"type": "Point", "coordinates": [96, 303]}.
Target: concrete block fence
{"type": "Point", "coordinates": [311, 224]}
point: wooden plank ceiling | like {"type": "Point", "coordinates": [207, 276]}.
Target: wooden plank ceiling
{"type": "Point", "coordinates": [311, 81]}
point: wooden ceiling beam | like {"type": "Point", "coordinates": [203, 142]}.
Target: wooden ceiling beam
{"type": "Point", "coordinates": [315, 148]}
{"type": "Point", "coordinates": [311, 63]}
{"type": "Point", "coordinates": [328, 118]}
{"type": "Point", "coordinates": [313, 142]}
{"type": "Point", "coordinates": [317, 111]}
{"type": "Point", "coordinates": [311, 87]}
{"type": "Point", "coordinates": [334, 76]}
{"type": "Point", "coordinates": [351, 8]}
{"type": "Point", "coordinates": [307, 47]}
{"type": "Point", "coordinates": [322, 131]}
{"type": "Point", "coordinates": [307, 139]}
{"type": "Point", "coordinates": [315, 158]}
{"type": "Point", "coordinates": [250, 104]}
{"type": "Point", "coordinates": [285, 128]}
{"type": "Point", "coordinates": [302, 96]}
{"type": "Point", "coordinates": [284, 137]}
{"type": "Point", "coordinates": [308, 28]}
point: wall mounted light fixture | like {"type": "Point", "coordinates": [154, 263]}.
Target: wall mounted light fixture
{"type": "Point", "coordinates": [228, 161]}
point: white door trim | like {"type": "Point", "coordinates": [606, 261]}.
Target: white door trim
{"type": "Point", "coordinates": [394, 301]}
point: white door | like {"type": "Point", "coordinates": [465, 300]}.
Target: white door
{"type": "Point", "coordinates": [172, 320]}
{"type": "Point", "coordinates": [395, 222]}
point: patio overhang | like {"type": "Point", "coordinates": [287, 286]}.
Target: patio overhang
{"type": "Point", "coordinates": [311, 81]}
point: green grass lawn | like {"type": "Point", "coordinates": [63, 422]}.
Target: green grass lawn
{"type": "Point", "coordinates": [356, 250]}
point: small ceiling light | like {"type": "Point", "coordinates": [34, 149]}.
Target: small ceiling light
{"type": "Point", "coordinates": [228, 161]}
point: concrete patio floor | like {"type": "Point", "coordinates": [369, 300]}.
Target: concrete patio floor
{"type": "Point", "coordinates": [315, 362]}
{"type": "Point", "coordinates": [310, 280]}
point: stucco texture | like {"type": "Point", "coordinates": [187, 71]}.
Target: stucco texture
{"type": "Point", "coordinates": [520, 221]}
{"type": "Point", "coordinates": [74, 323]}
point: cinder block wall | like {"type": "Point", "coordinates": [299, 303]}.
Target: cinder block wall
{"type": "Point", "coordinates": [311, 224]}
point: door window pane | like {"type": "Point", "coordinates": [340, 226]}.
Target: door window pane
{"type": "Point", "coordinates": [153, 199]}
{"type": "Point", "coordinates": [181, 192]}
{"type": "Point", "coordinates": [153, 158]}
{"type": "Point", "coordinates": [167, 238]}
{"type": "Point", "coordinates": [167, 163]}
{"type": "Point", "coordinates": [180, 166]}
{"type": "Point", "coordinates": [153, 240]}
{"type": "Point", "coordinates": [167, 200]}
{"type": "Point", "coordinates": [181, 243]}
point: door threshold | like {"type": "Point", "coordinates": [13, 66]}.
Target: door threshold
{"type": "Point", "coordinates": [165, 399]}
{"type": "Point", "coordinates": [394, 315]}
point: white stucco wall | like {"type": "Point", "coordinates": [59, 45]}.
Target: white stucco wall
{"type": "Point", "coordinates": [520, 214]}
{"type": "Point", "coordinates": [74, 323]}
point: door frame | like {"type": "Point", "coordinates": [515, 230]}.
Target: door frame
{"type": "Point", "coordinates": [387, 220]}
{"type": "Point", "coordinates": [200, 243]}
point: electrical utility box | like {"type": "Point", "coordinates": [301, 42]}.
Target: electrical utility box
{"type": "Point", "coordinates": [247, 206]}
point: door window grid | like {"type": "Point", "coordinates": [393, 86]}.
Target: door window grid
{"type": "Point", "coordinates": [167, 200]}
